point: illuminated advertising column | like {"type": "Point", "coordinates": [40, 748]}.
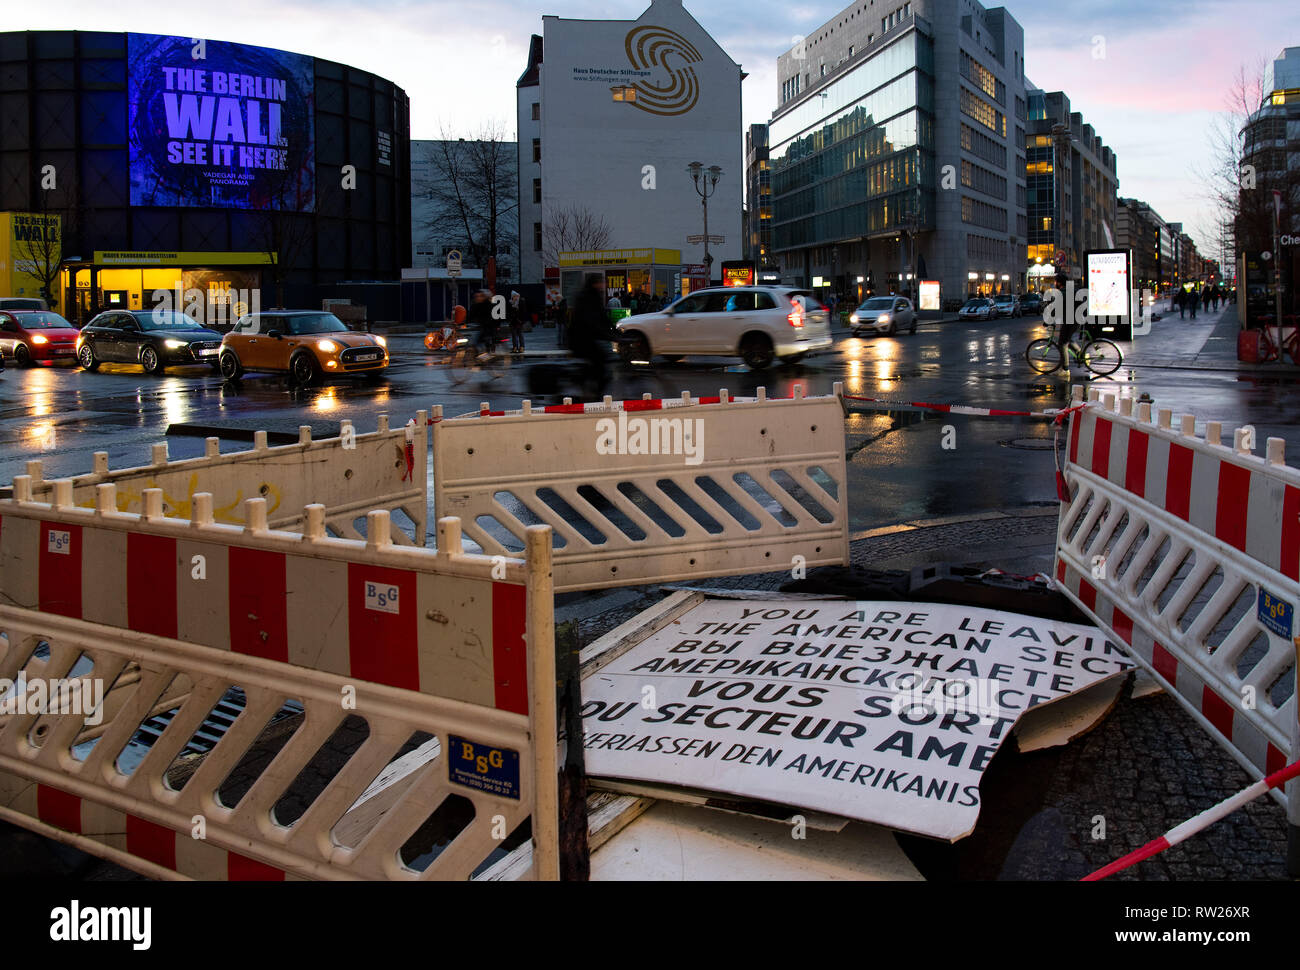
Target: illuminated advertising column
{"type": "Point", "coordinates": [1109, 294]}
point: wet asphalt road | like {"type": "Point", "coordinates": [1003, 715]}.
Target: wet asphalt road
{"type": "Point", "coordinates": [899, 469]}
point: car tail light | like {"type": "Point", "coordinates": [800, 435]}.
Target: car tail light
{"type": "Point", "coordinates": [796, 314]}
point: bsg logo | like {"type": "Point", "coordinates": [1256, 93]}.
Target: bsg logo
{"type": "Point", "coordinates": [59, 541]}
{"type": "Point", "coordinates": [382, 598]}
{"type": "Point", "coordinates": [482, 762]}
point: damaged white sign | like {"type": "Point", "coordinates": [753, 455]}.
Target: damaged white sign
{"type": "Point", "coordinates": [880, 711]}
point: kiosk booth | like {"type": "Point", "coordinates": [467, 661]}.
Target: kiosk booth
{"type": "Point", "coordinates": [626, 271]}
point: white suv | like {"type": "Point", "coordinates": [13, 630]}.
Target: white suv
{"type": "Point", "coordinates": [756, 323]}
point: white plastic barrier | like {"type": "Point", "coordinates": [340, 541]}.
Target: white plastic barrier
{"type": "Point", "coordinates": [1188, 550]}
{"type": "Point", "coordinates": [653, 490]}
{"type": "Point", "coordinates": [350, 475]}
{"type": "Point", "coordinates": [446, 658]}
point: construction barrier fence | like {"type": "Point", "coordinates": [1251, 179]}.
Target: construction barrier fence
{"type": "Point", "coordinates": [653, 490]}
{"type": "Point", "coordinates": [350, 475]}
{"type": "Point", "coordinates": [1188, 551]}
{"type": "Point", "coordinates": [272, 705]}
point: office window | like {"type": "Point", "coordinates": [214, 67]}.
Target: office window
{"type": "Point", "coordinates": [537, 111]}
{"type": "Point", "coordinates": [823, 70]}
{"type": "Point", "coordinates": [537, 149]}
{"type": "Point", "coordinates": [851, 50]}
{"type": "Point", "coordinates": [537, 191]}
{"type": "Point", "coordinates": [537, 237]}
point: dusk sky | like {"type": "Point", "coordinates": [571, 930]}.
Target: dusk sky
{"type": "Point", "coordinates": [1152, 98]}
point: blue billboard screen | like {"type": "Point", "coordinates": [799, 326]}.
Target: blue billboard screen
{"type": "Point", "coordinates": [217, 124]}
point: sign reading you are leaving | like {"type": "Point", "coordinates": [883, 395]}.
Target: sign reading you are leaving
{"type": "Point", "coordinates": [885, 712]}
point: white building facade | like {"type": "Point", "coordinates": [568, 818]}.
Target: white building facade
{"type": "Point", "coordinates": [610, 115]}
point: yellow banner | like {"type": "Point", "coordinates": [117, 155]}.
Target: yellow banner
{"type": "Point", "coordinates": [105, 258]}
{"type": "Point", "coordinates": [621, 257]}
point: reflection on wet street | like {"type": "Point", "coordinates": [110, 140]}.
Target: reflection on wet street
{"type": "Point", "coordinates": [902, 463]}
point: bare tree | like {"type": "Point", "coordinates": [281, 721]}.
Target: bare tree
{"type": "Point", "coordinates": [1246, 167]}
{"type": "Point", "coordinates": [575, 228]}
{"type": "Point", "coordinates": [281, 231]}
{"type": "Point", "coordinates": [473, 186]}
{"type": "Point", "coordinates": [39, 248]}
{"type": "Point", "coordinates": [44, 241]}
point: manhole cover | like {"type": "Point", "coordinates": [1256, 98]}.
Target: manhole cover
{"type": "Point", "coordinates": [1028, 444]}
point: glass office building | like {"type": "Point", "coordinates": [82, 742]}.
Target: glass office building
{"type": "Point", "coordinates": [859, 156]}
{"type": "Point", "coordinates": [896, 151]}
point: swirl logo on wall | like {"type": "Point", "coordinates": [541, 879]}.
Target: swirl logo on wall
{"type": "Point", "coordinates": [650, 48]}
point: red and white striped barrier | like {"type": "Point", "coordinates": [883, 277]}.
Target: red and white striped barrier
{"type": "Point", "coordinates": [1188, 551]}
{"type": "Point", "coordinates": [313, 601]}
{"type": "Point", "coordinates": [456, 647]}
{"type": "Point", "coordinates": [1180, 833]}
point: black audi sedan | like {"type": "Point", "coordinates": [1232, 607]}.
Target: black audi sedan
{"type": "Point", "coordinates": [154, 339]}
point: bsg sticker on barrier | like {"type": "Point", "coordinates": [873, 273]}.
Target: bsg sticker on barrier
{"type": "Point", "coordinates": [483, 767]}
{"type": "Point", "coordinates": [60, 541]}
{"type": "Point", "coordinates": [1275, 613]}
{"type": "Point", "coordinates": [382, 598]}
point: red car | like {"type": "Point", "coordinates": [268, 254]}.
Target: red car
{"type": "Point", "coordinates": [28, 335]}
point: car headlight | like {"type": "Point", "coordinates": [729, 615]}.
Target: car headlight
{"type": "Point", "coordinates": [883, 318]}
{"type": "Point", "coordinates": [327, 346]}
{"type": "Point", "coordinates": [382, 341]}
{"type": "Point", "coordinates": [174, 344]}
{"type": "Point", "coordinates": [38, 339]}
{"type": "Point", "coordinates": [853, 318]}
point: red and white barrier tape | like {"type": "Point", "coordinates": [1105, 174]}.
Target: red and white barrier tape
{"type": "Point", "coordinates": [1193, 825]}
{"type": "Point", "coordinates": [961, 408]}
{"type": "Point", "coordinates": [613, 407]}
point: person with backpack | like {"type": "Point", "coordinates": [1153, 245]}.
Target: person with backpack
{"type": "Point", "coordinates": [588, 332]}
{"type": "Point", "coordinates": [517, 316]}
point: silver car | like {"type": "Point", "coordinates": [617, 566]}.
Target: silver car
{"type": "Point", "coordinates": [977, 309]}
{"type": "Point", "coordinates": [884, 314]}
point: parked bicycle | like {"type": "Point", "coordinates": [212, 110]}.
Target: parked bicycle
{"type": "Point", "coordinates": [1269, 351]}
{"type": "Point", "coordinates": [1098, 354]}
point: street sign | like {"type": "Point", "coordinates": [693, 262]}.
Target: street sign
{"type": "Point", "coordinates": [453, 263]}
{"type": "Point", "coordinates": [698, 238]}
{"type": "Point", "coordinates": [1060, 257]}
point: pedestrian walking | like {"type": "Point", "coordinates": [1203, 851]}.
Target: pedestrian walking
{"type": "Point", "coordinates": [480, 315]}
{"type": "Point", "coordinates": [1205, 299]}
{"type": "Point", "coordinates": [517, 315]}
{"type": "Point", "coordinates": [1180, 301]}
{"type": "Point", "coordinates": [1193, 300]}
{"type": "Point", "coordinates": [588, 333]}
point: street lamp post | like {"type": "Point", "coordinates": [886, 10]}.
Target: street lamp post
{"type": "Point", "coordinates": [706, 182]}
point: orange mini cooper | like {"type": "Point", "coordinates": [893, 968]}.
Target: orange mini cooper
{"type": "Point", "coordinates": [306, 344]}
